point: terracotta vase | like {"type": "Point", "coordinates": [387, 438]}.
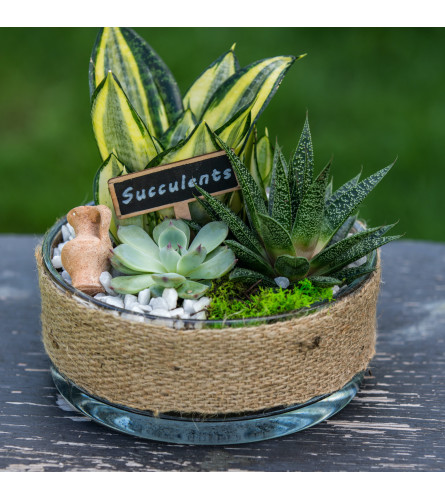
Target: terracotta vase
{"type": "Point", "coordinates": [87, 255]}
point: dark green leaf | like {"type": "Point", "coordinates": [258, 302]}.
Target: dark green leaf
{"type": "Point", "coordinates": [324, 281]}
{"type": "Point", "coordinates": [277, 240]}
{"type": "Point", "coordinates": [250, 259]}
{"type": "Point", "coordinates": [250, 277]}
{"type": "Point", "coordinates": [279, 197]}
{"type": "Point", "coordinates": [309, 220]}
{"type": "Point", "coordinates": [301, 168]}
{"type": "Point", "coordinates": [346, 204]}
{"type": "Point", "coordinates": [343, 189]}
{"type": "Point", "coordinates": [294, 268]}
{"type": "Point", "coordinates": [219, 211]}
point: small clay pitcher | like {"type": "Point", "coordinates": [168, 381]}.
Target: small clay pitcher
{"type": "Point", "coordinates": [87, 255]}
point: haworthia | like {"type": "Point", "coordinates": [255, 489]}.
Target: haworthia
{"type": "Point", "coordinates": [346, 204]}
{"type": "Point", "coordinates": [203, 88]}
{"type": "Point", "coordinates": [146, 79]}
{"type": "Point", "coordinates": [301, 167]}
{"type": "Point", "coordinates": [118, 128]}
{"type": "Point", "coordinates": [249, 258]}
{"type": "Point", "coordinates": [279, 197]}
{"type": "Point", "coordinates": [309, 220]}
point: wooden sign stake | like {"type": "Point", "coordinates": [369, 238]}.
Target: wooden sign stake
{"type": "Point", "coordinates": [182, 211]}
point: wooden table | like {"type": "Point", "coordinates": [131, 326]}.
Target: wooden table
{"type": "Point", "coordinates": [396, 422]}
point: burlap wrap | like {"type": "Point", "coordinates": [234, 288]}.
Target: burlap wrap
{"type": "Point", "coordinates": [208, 371]}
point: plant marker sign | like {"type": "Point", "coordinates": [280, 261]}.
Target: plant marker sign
{"type": "Point", "coordinates": [172, 185]}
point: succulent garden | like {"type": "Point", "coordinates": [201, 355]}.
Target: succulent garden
{"type": "Point", "coordinates": [284, 241]}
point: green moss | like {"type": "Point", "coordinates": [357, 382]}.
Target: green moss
{"type": "Point", "coordinates": [232, 300]}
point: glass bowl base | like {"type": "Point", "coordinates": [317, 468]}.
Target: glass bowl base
{"type": "Point", "coordinates": [212, 431]}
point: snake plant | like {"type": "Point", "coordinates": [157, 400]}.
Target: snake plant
{"type": "Point", "coordinates": [303, 229]}
{"type": "Point", "coordinates": [170, 259]}
{"type": "Point", "coordinates": [139, 116]}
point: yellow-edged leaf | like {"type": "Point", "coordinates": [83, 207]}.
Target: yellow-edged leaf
{"type": "Point", "coordinates": [118, 128]}
{"type": "Point", "coordinates": [264, 157]}
{"type": "Point", "coordinates": [234, 131]}
{"type": "Point", "coordinates": [180, 129]}
{"type": "Point", "coordinates": [199, 142]}
{"type": "Point", "coordinates": [203, 88]}
{"type": "Point", "coordinates": [260, 79]}
{"type": "Point", "coordinates": [145, 78]}
{"type": "Point", "coordinates": [110, 168]}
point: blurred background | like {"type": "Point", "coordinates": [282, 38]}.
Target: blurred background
{"type": "Point", "coordinates": [372, 95]}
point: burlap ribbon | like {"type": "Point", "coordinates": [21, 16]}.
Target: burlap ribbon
{"type": "Point", "coordinates": [208, 371]}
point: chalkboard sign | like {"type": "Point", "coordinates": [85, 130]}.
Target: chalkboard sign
{"type": "Point", "coordinates": [172, 185]}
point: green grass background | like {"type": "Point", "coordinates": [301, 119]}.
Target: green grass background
{"type": "Point", "coordinates": [372, 95]}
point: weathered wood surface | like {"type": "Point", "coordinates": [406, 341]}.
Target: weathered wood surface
{"type": "Point", "coordinates": [396, 422]}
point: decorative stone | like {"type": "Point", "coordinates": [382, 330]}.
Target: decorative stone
{"type": "Point", "coordinates": [57, 261]}
{"type": "Point", "coordinates": [144, 297]}
{"type": "Point", "coordinates": [189, 306]}
{"type": "Point", "coordinates": [159, 303]}
{"type": "Point", "coordinates": [105, 280]}
{"type": "Point", "coordinates": [114, 301]}
{"type": "Point", "coordinates": [200, 315]}
{"type": "Point", "coordinates": [201, 304]}
{"type": "Point", "coordinates": [170, 295]}
{"type": "Point", "coordinates": [177, 313]}
{"type": "Point", "coordinates": [129, 299]}
{"type": "Point", "coordinates": [282, 282]}
{"type": "Point", "coordinates": [160, 312]}
{"type": "Point", "coordinates": [87, 255]}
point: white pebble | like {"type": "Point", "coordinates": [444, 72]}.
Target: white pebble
{"type": "Point", "coordinates": [170, 295]}
{"type": "Point", "coordinates": [177, 313]}
{"type": "Point", "coordinates": [100, 296]}
{"type": "Point", "coordinates": [159, 303]}
{"type": "Point", "coordinates": [179, 325]}
{"type": "Point", "coordinates": [128, 300]}
{"type": "Point", "coordinates": [200, 315]}
{"type": "Point", "coordinates": [144, 297]}
{"type": "Point", "coordinates": [201, 304]}
{"type": "Point", "coordinates": [160, 312]}
{"type": "Point", "coordinates": [282, 282]}
{"type": "Point", "coordinates": [105, 281]}
{"type": "Point", "coordinates": [56, 252]}
{"type": "Point", "coordinates": [57, 262]}
{"type": "Point", "coordinates": [61, 245]}
{"type": "Point", "coordinates": [66, 277]}
{"type": "Point", "coordinates": [137, 309]}
{"type": "Point", "coordinates": [335, 289]}
{"type": "Point", "coordinates": [113, 301]}
{"type": "Point", "coordinates": [185, 316]}
{"type": "Point", "coordinates": [71, 230]}
{"type": "Point", "coordinates": [66, 235]}
{"type": "Point", "coordinates": [189, 306]}
{"type": "Point", "coordinates": [146, 308]}
{"type": "Point", "coordinates": [139, 319]}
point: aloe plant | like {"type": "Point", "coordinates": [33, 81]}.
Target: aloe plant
{"type": "Point", "coordinates": [170, 259]}
{"type": "Point", "coordinates": [302, 229]}
{"type": "Point", "coordinates": [138, 114]}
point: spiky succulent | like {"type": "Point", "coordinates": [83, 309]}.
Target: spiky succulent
{"type": "Point", "coordinates": [302, 230]}
{"type": "Point", "coordinates": [140, 119]}
{"type": "Point", "coordinates": [170, 260]}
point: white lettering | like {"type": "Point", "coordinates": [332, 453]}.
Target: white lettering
{"type": "Point", "coordinates": [172, 188]}
{"type": "Point", "coordinates": [128, 195]}
{"type": "Point", "coordinates": [140, 195]}
{"type": "Point", "coordinates": [161, 189]}
{"type": "Point", "coordinates": [183, 182]}
{"type": "Point", "coordinates": [216, 175]}
{"type": "Point", "coordinates": [227, 173]}
{"type": "Point", "coordinates": [192, 182]}
{"type": "Point", "coordinates": [152, 192]}
{"type": "Point", "coordinates": [204, 177]}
